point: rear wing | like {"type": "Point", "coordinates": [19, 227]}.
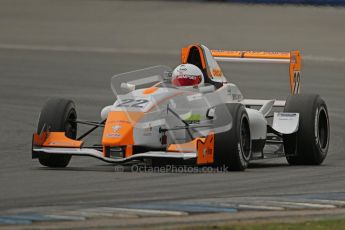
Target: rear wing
{"type": "Point", "coordinates": [292, 58]}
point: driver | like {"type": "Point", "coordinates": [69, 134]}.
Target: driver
{"type": "Point", "coordinates": [187, 75]}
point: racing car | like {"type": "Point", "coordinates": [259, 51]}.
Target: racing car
{"type": "Point", "coordinates": [192, 115]}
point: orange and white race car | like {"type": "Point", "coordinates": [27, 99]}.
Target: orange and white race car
{"type": "Point", "coordinates": [192, 115]}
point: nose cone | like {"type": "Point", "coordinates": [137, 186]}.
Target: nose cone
{"type": "Point", "coordinates": [118, 130]}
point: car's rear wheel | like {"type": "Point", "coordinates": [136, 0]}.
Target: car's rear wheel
{"type": "Point", "coordinates": [57, 115]}
{"type": "Point", "coordinates": [232, 146]}
{"type": "Point", "coordinates": [309, 145]}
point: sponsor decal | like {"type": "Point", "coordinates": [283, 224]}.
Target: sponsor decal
{"type": "Point", "coordinates": [250, 52]}
{"type": "Point", "coordinates": [182, 68]}
{"type": "Point", "coordinates": [121, 121]}
{"type": "Point", "coordinates": [293, 59]}
{"type": "Point", "coordinates": [148, 131]}
{"type": "Point", "coordinates": [116, 128]}
{"type": "Point", "coordinates": [217, 73]}
{"type": "Point", "coordinates": [287, 114]}
{"type": "Point", "coordinates": [193, 97]}
{"type": "Point", "coordinates": [193, 119]}
{"type": "Point", "coordinates": [113, 135]}
{"type": "Point", "coordinates": [60, 143]}
{"type": "Point", "coordinates": [316, 125]}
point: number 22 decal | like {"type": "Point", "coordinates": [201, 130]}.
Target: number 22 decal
{"type": "Point", "coordinates": [138, 103]}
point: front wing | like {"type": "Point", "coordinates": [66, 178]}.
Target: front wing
{"type": "Point", "coordinates": [200, 149]}
{"type": "Point", "coordinates": [99, 155]}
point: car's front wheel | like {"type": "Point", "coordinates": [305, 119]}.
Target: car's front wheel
{"type": "Point", "coordinates": [57, 115]}
{"type": "Point", "coordinates": [232, 147]}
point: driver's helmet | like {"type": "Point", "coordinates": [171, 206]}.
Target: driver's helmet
{"type": "Point", "coordinates": [187, 75]}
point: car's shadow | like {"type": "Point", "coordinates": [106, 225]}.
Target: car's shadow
{"type": "Point", "coordinates": [267, 165]}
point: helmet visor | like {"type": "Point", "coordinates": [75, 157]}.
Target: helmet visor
{"type": "Point", "coordinates": [186, 80]}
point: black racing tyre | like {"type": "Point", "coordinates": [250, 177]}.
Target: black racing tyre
{"type": "Point", "coordinates": [232, 148]}
{"type": "Point", "coordinates": [56, 116]}
{"type": "Point", "coordinates": [309, 146]}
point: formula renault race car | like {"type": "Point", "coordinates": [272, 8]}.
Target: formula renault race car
{"type": "Point", "coordinates": [153, 120]}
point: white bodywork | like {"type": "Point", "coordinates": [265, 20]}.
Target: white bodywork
{"type": "Point", "coordinates": [258, 125]}
{"type": "Point", "coordinates": [189, 103]}
{"type": "Point", "coordinates": [286, 123]}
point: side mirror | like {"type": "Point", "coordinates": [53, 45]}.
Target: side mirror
{"type": "Point", "coordinates": [167, 75]}
{"type": "Point", "coordinates": [210, 113]}
{"type": "Point", "coordinates": [127, 86]}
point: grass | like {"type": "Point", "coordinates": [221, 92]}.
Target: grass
{"type": "Point", "coordinates": [329, 224]}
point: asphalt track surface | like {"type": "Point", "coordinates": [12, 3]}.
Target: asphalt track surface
{"type": "Point", "coordinates": [72, 48]}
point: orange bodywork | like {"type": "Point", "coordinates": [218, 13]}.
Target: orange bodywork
{"type": "Point", "coordinates": [294, 58]}
{"type": "Point", "coordinates": [129, 151]}
{"type": "Point", "coordinates": [206, 150]}
{"type": "Point", "coordinates": [38, 139]}
{"type": "Point", "coordinates": [295, 71]}
{"type": "Point", "coordinates": [118, 130]}
{"type": "Point", "coordinates": [185, 53]}
{"type": "Point", "coordinates": [185, 147]}
{"type": "Point", "coordinates": [204, 147]}
{"type": "Point", "coordinates": [250, 54]}
{"type": "Point", "coordinates": [150, 90]}
{"type": "Point", "coordinates": [55, 139]}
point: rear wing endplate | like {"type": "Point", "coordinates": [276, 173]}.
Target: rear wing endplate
{"type": "Point", "coordinates": [292, 58]}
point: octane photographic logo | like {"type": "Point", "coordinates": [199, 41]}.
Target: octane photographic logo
{"type": "Point", "coordinates": [171, 169]}
{"type": "Point", "coordinates": [115, 134]}
{"type": "Point", "coordinates": [116, 128]}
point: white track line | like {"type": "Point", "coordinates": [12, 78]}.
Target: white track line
{"type": "Point", "coordinates": [333, 202]}
{"type": "Point", "coordinates": [62, 48]}
{"type": "Point", "coordinates": [62, 217]}
{"type": "Point", "coordinates": [87, 213]}
{"type": "Point", "coordinates": [261, 207]}
{"type": "Point", "coordinates": [150, 211]}
{"type": "Point", "coordinates": [303, 204]}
